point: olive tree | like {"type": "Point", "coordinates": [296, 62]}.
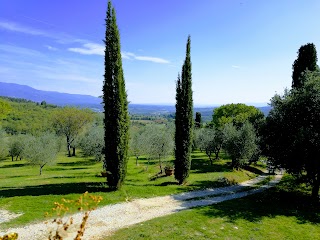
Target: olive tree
{"type": "Point", "coordinates": [16, 144]}
{"type": "Point", "coordinates": [70, 121]}
{"type": "Point", "coordinates": [42, 150]}
{"type": "Point", "coordinates": [136, 145]}
{"type": "Point", "coordinates": [92, 142]}
{"type": "Point", "coordinates": [158, 142]}
{"type": "Point", "coordinates": [240, 143]}
{"type": "Point", "coordinates": [210, 140]}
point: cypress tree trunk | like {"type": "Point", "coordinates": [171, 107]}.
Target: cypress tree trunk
{"type": "Point", "coordinates": [116, 122]}
{"type": "Point", "coordinates": [184, 120]}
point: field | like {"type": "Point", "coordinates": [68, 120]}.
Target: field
{"type": "Point", "coordinates": [22, 190]}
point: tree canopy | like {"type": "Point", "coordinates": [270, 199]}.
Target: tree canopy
{"type": "Point", "coordinates": [41, 151]}
{"type": "Point", "coordinates": [293, 131]}
{"type": "Point", "coordinates": [209, 140]}
{"type": "Point", "coordinates": [69, 122]}
{"type": "Point", "coordinates": [240, 143]}
{"type": "Point", "coordinates": [27, 117]}
{"type": "Point", "coordinates": [236, 114]}
{"type": "Point", "coordinates": [92, 142]}
{"type": "Point", "coordinates": [157, 142]}
{"type": "Point", "coordinates": [4, 108]}
{"type": "Point", "coordinates": [306, 60]}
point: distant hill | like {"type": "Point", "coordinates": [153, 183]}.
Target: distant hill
{"type": "Point", "coordinates": [62, 99]}
{"type": "Point", "coordinates": [22, 91]}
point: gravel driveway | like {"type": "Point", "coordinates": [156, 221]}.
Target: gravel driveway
{"type": "Point", "coordinates": [105, 220]}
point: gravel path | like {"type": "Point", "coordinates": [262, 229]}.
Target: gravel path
{"type": "Point", "coordinates": [107, 219]}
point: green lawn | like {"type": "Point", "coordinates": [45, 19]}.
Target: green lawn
{"type": "Point", "coordinates": [284, 212]}
{"type": "Point", "coordinates": [23, 190]}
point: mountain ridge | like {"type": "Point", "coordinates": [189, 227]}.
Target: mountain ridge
{"type": "Point", "coordinates": [15, 90]}
{"type": "Point", "coordinates": [26, 92]}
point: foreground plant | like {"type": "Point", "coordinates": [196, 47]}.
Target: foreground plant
{"type": "Point", "coordinates": [85, 203]}
{"type": "Point", "coordinates": [10, 236]}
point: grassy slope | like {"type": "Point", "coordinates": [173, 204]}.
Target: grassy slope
{"type": "Point", "coordinates": [23, 190]}
{"type": "Point", "coordinates": [279, 213]}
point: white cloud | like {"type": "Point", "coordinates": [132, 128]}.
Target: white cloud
{"type": "Point", "coordinates": [89, 49]}
{"type": "Point", "coordinates": [127, 55]}
{"type": "Point", "coordinates": [11, 26]}
{"type": "Point", "coordinates": [19, 50]}
{"type": "Point", "coordinates": [59, 37]}
{"type": "Point", "coordinates": [151, 59]}
{"type": "Point", "coordinates": [69, 77]}
{"type": "Point", "coordinates": [51, 48]}
{"type": "Point", "coordinates": [98, 49]}
{"type": "Point", "coordinates": [132, 56]}
{"type": "Point", "coordinates": [235, 66]}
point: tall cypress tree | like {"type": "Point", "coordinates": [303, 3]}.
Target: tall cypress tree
{"type": "Point", "coordinates": [184, 120]}
{"type": "Point", "coordinates": [116, 121]}
{"type": "Point", "coordinates": [306, 60]}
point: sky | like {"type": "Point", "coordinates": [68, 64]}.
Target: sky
{"type": "Point", "coordinates": [242, 51]}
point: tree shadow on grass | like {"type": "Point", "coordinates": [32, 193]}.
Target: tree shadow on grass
{"type": "Point", "coordinates": [167, 184]}
{"type": "Point", "coordinates": [151, 162]}
{"type": "Point", "coordinates": [55, 189]}
{"type": "Point", "coordinates": [14, 165]}
{"type": "Point", "coordinates": [199, 165]}
{"type": "Point", "coordinates": [278, 201]}
{"type": "Point", "coordinates": [157, 176]}
{"type": "Point", "coordinates": [87, 162]}
{"type": "Point", "coordinates": [253, 169]}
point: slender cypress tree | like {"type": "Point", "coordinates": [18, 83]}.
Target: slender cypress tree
{"type": "Point", "coordinates": [184, 120]}
{"type": "Point", "coordinates": [116, 121]}
{"type": "Point", "coordinates": [306, 60]}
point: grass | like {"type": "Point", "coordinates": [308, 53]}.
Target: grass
{"type": "Point", "coordinates": [23, 190]}
{"type": "Point", "coordinates": [283, 212]}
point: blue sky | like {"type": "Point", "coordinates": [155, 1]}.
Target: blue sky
{"type": "Point", "coordinates": [241, 51]}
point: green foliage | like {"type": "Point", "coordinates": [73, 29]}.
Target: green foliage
{"type": "Point", "coordinates": [209, 140]}
{"type": "Point", "coordinates": [92, 143]}
{"type": "Point", "coordinates": [236, 114]}
{"type": "Point", "coordinates": [116, 122]}
{"type": "Point", "coordinates": [4, 108]}
{"type": "Point", "coordinates": [157, 142]}
{"type": "Point", "coordinates": [69, 122]}
{"type": "Point", "coordinates": [27, 117]}
{"type": "Point", "coordinates": [198, 121]}
{"type": "Point", "coordinates": [16, 145]}
{"type": "Point", "coordinates": [184, 120]}
{"type": "Point", "coordinates": [136, 143]}
{"type": "Point", "coordinates": [292, 132]}
{"type": "Point", "coordinates": [306, 60]}
{"type": "Point", "coordinates": [3, 145]}
{"type": "Point", "coordinates": [240, 143]}
{"type": "Point", "coordinates": [42, 150]}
